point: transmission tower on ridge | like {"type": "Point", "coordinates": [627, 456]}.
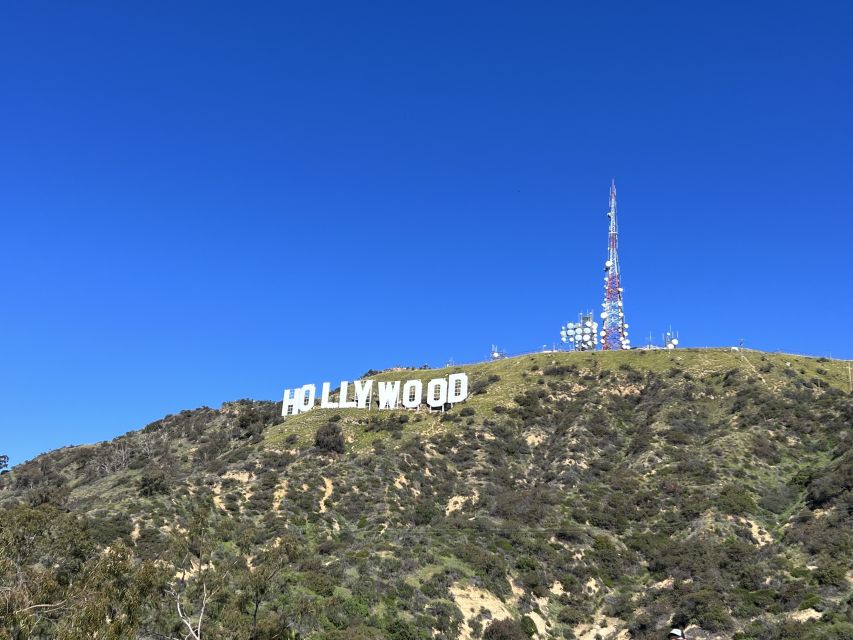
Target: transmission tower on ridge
{"type": "Point", "coordinates": [614, 334]}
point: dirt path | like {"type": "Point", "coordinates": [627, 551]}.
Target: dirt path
{"type": "Point", "coordinates": [326, 495]}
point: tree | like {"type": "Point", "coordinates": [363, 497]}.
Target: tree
{"type": "Point", "coordinates": [4, 462]}
{"type": "Point", "coordinates": [41, 549]}
{"type": "Point", "coordinates": [260, 583]}
{"type": "Point", "coordinates": [197, 585]}
{"type": "Point", "coordinates": [109, 598]}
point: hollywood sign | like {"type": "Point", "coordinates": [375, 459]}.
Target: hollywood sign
{"type": "Point", "coordinates": [411, 394]}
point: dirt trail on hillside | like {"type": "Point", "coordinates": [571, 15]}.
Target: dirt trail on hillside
{"type": "Point", "coordinates": [327, 494]}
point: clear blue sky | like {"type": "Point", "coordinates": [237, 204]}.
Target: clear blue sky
{"type": "Point", "coordinates": [203, 201]}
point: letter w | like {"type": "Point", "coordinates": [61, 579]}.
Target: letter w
{"type": "Point", "coordinates": [389, 394]}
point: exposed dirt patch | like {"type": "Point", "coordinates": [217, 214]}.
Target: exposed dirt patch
{"type": "Point", "coordinates": [807, 614]}
{"type": "Point", "coordinates": [605, 627]}
{"type": "Point", "coordinates": [472, 600]}
{"type": "Point", "coordinates": [280, 494]}
{"type": "Point", "coordinates": [327, 493]}
{"type": "Point", "coordinates": [535, 439]}
{"type": "Point", "coordinates": [664, 584]}
{"type": "Point", "coordinates": [402, 482]}
{"type": "Point", "coordinates": [456, 502]}
{"type": "Point", "coordinates": [591, 586]}
{"type": "Point", "coordinates": [762, 536]}
{"type": "Point", "coordinates": [217, 497]}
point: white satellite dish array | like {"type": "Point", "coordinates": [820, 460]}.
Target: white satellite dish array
{"type": "Point", "coordinates": [671, 339]}
{"type": "Point", "coordinates": [496, 354]}
{"type": "Point", "coordinates": [581, 335]}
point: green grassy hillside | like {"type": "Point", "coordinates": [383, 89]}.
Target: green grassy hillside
{"type": "Point", "coordinates": [573, 495]}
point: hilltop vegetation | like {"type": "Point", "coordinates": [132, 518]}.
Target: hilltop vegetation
{"type": "Point", "coordinates": [572, 496]}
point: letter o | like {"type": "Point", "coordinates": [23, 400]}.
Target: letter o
{"type": "Point", "coordinates": [437, 392]}
{"type": "Point", "coordinates": [412, 392]}
{"type": "Point", "coordinates": [307, 395]}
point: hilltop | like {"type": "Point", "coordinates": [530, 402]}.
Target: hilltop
{"type": "Point", "coordinates": [577, 495]}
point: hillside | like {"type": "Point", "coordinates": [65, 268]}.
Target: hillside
{"type": "Point", "coordinates": [578, 495]}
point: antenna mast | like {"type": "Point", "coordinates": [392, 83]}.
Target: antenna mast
{"type": "Point", "coordinates": [614, 334]}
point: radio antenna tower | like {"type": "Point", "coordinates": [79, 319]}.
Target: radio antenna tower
{"type": "Point", "coordinates": [614, 334]}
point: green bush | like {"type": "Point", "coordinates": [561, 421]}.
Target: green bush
{"type": "Point", "coordinates": [735, 500]}
{"type": "Point", "coordinates": [153, 482]}
{"type": "Point", "coordinates": [329, 437]}
{"type": "Point", "coordinates": [505, 630]}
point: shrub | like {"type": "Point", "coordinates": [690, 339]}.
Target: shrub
{"type": "Point", "coordinates": [571, 616]}
{"type": "Point", "coordinates": [504, 630]}
{"type": "Point", "coordinates": [329, 437]}
{"type": "Point", "coordinates": [830, 572]}
{"type": "Point", "coordinates": [777, 499]}
{"type": "Point", "coordinates": [478, 387]}
{"type": "Point", "coordinates": [735, 500]}
{"type": "Point", "coordinates": [424, 512]}
{"type": "Point", "coordinates": [152, 483]}
{"type": "Point", "coordinates": [528, 626]}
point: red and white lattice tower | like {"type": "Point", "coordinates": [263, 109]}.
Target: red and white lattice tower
{"type": "Point", "coordinates": [614, 333]}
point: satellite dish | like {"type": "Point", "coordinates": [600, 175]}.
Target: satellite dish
{"type": "Point", "coordinates": [571, 338]}
{"type": "Point", "coordinates": [563, 339]}
{"type": "Point", "coordinates": [670, 346]}
{"type": "Point", "coordinates": [563, 333]}
{"type": "Point", "coordinates": [675, 341]}
{"type": "Point", "coordinates": [627, 325]}
{"type": "Point", "coordinates": [586, 338]}
{"type": "Point", "coordinates": [603, 314]}
{"type": "Point", "coordinates": [570, 326]}
{"type": "Point", "coordinates": [608, 264]}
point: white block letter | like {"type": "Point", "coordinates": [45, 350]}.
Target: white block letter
{"type": "Point", "coordinates": [457, 387]}
{"type": "Point", "coordinates": [412, 392]}
{"type": "Point", "coordinates": [389, 394]}
{"type": "Point", "coordinates": [362, 392]}
{"type": "Point", "coordinates": [437, 392]}
{"type": "Point", "coordinates": [290, 404]}
{"type": "Point", "coordinates": [307, 395]}
{"type": "Point", "coordinates": [325, 403]}
{"type": "Point", "coordinates": [344, 403]}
